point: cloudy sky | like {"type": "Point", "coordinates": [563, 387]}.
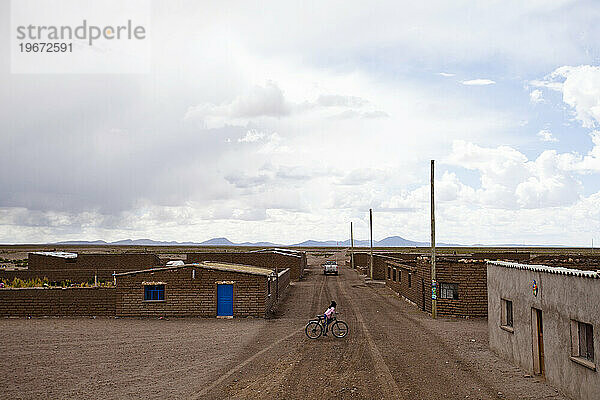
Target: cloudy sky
{"type": "Point", "coordinates": [284, 121]}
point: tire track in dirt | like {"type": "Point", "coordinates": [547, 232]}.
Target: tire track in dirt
{"type": "Point", "coordinates": [386, 379]}
{"type": "Point", "coordinates": [302, 371]}
{"type": "Point", "coordinates": [329, 367]}
{"type": "Point", "coordinates": [422, 334]}
{"type": "Point", "coordinates": [266, 386]}
{"type": "Point", "coordinates": [288, 364]}
{"type": "Point", "coordinates": [239, 366]}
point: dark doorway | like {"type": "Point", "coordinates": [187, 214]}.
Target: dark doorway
{"type": "Point", "coordinates": [537, 336]}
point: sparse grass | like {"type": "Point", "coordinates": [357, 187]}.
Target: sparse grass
{"type": "Point", "coordinates": [25, 283]}
{"type": "Point", "coordinates": [41, 283]}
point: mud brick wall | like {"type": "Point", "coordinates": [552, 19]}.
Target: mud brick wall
{"type": "Point", "coordinates": [277, 293]}
{"type": "Point", "coordinates": [83, 268]}
{"type": "Point", "coordinates": [414, 291]}
{"type": "Point", "coordinates": [57, 302]}
{"type": "Point", "coordinates": [503, 256]}
{"type": "Point", "coordinates": [269, 260]}
{"type": "Point", "coordinates": [101, 262]}
{"type": "Point", "coordinates": [583, 262]}
{"type": "Point", "coordinates": [470, 276]}
{"type": "Point", "coordinates": [362, 262]}
{"type": "Point", "coordinates": [402, 256]}
{"type": "Point", "coordinates": [191, 297]}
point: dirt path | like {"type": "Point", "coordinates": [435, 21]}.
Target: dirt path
{"type": "Point", "coordinates": [393, 351]}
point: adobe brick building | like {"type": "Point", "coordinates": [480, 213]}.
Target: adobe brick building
{"type": "Point", "coordinates": [275, 260]}
{"type": "Point", "coordinates": [208, 289]}
{"type": "Point", "coordinates": [61, 266]}
{"type": "Point", "coordinates": [461, 284]}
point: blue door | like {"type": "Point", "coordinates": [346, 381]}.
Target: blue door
{"type": "Point", "coordinates": [225, 300]}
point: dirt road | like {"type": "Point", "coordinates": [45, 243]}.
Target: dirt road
{"type": "Point", "coordinates": [393, 351]}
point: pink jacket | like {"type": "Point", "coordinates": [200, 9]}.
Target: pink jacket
{"type": "Point", "coordinates": [330, 312]}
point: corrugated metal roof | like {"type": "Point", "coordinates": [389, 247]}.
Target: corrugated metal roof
{"type": "Point", "coordinates": [548, 269]}
{"type": "Point", "coordinates": [248, 269]}
{"type": "Point", "coordinates": [61, 254]}
{"type": "Point", "coordinates": [218, 266]}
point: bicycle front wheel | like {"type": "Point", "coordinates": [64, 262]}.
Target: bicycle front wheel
{"type": "Point", "coordinates": [313, 329]}
{"type": "Point", "coordinates": [339, 329]}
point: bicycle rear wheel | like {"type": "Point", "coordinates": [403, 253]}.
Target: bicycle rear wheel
{"type": "Point", "coordinates": [313, 329]}
{"type": "Point", "coordinates": [339, 329]}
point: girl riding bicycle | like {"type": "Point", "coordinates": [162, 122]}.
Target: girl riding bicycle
{"type": "Point", "coordinates": [329, 314]}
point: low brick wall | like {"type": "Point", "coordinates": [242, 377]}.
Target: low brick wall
{"type": "Point", "coordinates": [283, 282]}
{"type": "Point", "coordinates": [57, 301]}
{"type": "Point", "coordinates": [83, 268]}
{"type": "Point", "coordinates": [362, 262]}
{"type": "Point", "coordinates": [583, 262]}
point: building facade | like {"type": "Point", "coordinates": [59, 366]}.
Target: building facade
{"type": "Point", "coordinates": [547, 321]}
{"type": "Point", "coordinates": [207, 289]}
{"type": "Point", "coordinates": [461, 284]}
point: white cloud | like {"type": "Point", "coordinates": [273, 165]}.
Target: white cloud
{"type": "Point", "coordinates": [478, 82]}
{"type": "Point", "coordinates": [510, 180]}
{"type": "Point", "coordinates": [251, 136]}
{"type": "Point", "coordinates": [536, 96]}
{"type": "Point", "coordinates": [260, 101]}
{"type": "Point", "coordinates": [580, 87]}
{"type": "Point", "coordinates": [546, 136]}
{"type": "Point", "coordinates": [241, 75]}
{"type": "Point", "coordinates": [332, 100]}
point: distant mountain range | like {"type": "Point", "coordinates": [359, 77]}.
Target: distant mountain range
{"type": "Point", "coordinates": [392, 241]}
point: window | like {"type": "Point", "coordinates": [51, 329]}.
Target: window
{"type": "Point", "coordinates": [409, 279]}
{"type": "Point", "coordinates": [389, 271]}
{"type": "Point", "coordinates": [582, 343]}
{"type": "Point", "coordinates": [449, 291]}
{"type": "Point", "coordinates": [394, 275]}
{"type": "Point", "coordinates": [154, 292]}
{"type": "Point", "coordinates": [399, 275]}
{"type": "Point", "coordinates": [506, 318]}
{"type": "Point", "coordinates": [269, 286]}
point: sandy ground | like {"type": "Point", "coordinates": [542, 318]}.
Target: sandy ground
{"type": "Point", "coordinates": [393, 351]}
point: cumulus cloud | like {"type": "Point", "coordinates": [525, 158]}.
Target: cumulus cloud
{"type": "Point", "coordinates": [478, 82]}
{"type": "Point", "coordinates": [510, 180]}
{"type": "Point", "coordinates": [260, 101]}
{"type": "Point", "coordinates": [580, 87]}
{"type": "Point", "coordinates": [546, 136]}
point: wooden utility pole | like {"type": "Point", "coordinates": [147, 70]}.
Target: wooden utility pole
{"type": "Point", "coordinates": [351, 247]}
{"type": "Point", "coordinates": [433, 281]}
{"type": "Point", "coordinates": [371, 229]}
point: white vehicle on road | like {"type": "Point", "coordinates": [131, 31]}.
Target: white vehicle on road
{"type": "Point", "coordinates": [330, 267]}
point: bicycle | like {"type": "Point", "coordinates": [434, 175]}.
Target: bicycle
{"type": "Point", "coordinates": [315, 327]}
